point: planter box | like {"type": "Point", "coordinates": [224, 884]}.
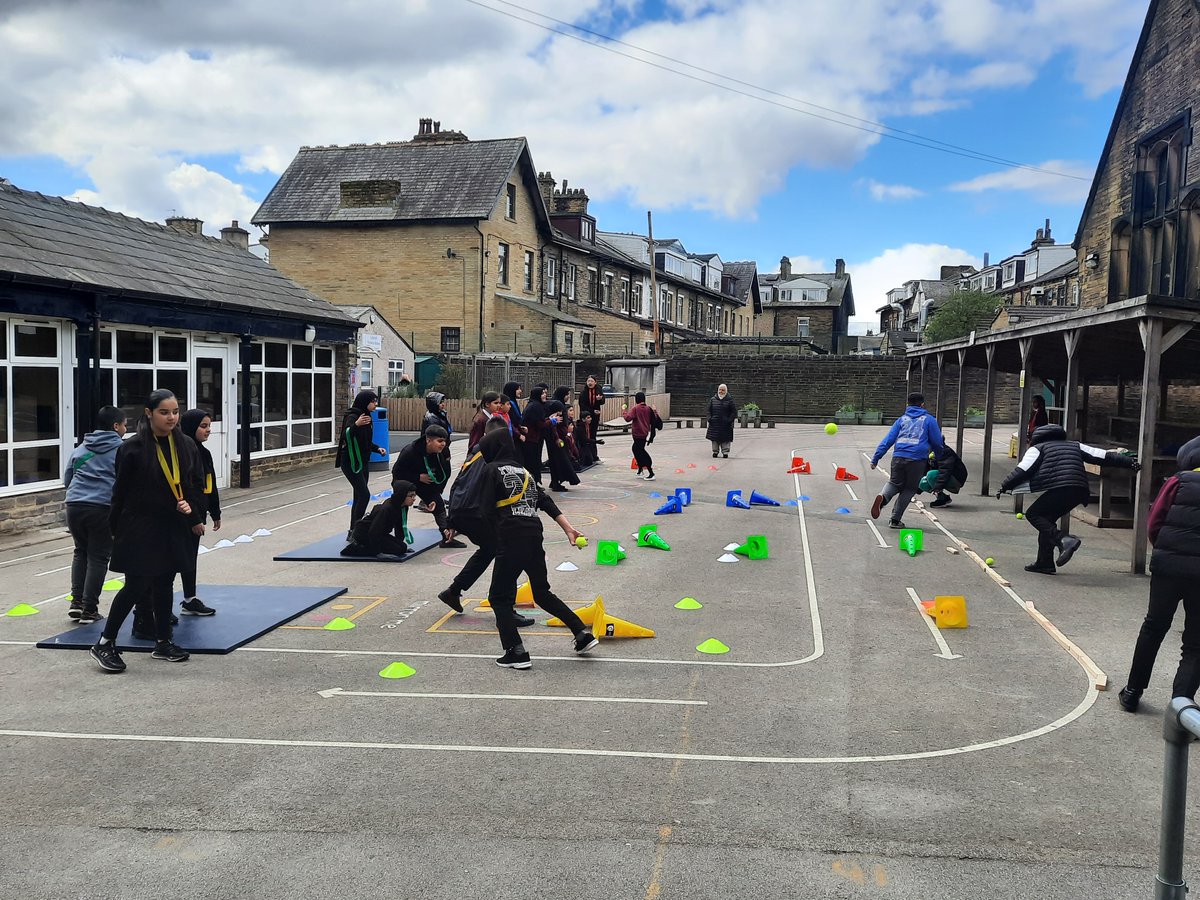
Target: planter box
{"type": "Point", "coordinates": [973, 421]}
{"type": "Point", "coordinates": [846, 418]}
{"type": "Point", "coordinates": [870, 418]}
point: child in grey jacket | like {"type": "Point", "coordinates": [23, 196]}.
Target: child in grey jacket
{"type": "Point", "coordinates": [89, 478]}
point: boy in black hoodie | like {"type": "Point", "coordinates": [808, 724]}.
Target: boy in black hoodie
{"type": "Point", "coordinates": [426, 463]}
{"type": "Point", "coordinates": [511, 499]}
{"type": "Point", "coordinates": [197, 425]}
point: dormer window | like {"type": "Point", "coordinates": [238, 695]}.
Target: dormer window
{"type": "Point", "coordinates": [587, 230]}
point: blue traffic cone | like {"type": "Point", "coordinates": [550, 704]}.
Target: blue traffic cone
{"type": "Point", "coordinates": [762, 499]}
{"type": "Point", "coordinates": [671, 506]}
{"type": "Point", "coordinates": [684, 495]}
{"type": "Point", "coordinates": [734, 499]}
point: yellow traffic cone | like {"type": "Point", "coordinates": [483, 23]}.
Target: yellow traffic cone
{"type": "Point", "coordinates": [524, 597]}
{"type": "Point", "coordinates": [606, 626]}
{"type": "Point", "coordinates": [950, 612]}
{"type": "Point", "coordinates": [587, 614]}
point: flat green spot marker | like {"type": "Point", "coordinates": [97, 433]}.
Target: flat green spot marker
{"type": "Point", "coordinates": [397, 670]}
{"type": "Point", "coordinates": [23, 609]}
{"type": "Point", "coordinates": [114, 584]}
{"type": "Point", "coordinates": [689, 603]}
{"type": "Point", "coordinates": [712, 645]}
{"type": "Point", "coordinates": [339, 624]}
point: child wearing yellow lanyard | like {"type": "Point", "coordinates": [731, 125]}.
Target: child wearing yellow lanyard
{"type": "Point", "coordinates": [197, 425]}
{"type": "Point", "coordinates": [155, 510]}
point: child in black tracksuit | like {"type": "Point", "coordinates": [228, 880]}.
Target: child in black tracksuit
{"type": "Point", "coordinates": [384, 530]}
{"type": "Point", "coordinates": [946, 474]}
{"type": "Point", "coordinates": [511, 500]}
{"type": "Point", "coordinates": [197, 424]}
{"type": "Point", "coordinates": [426, 463]}
{"type": "Point", "coordinates": [356, 441]}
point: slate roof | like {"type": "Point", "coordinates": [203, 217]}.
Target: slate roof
{"type": "Point", "coordinates": [437, 181]}
{"type": "Point", "coordinates": [837, 290]}
{"type": "Point", "coordinates": [541, 309]}
{"type": "Point", "coordinates": [743, 273]}
{"type": "Point", "coordinates": [61, 242]}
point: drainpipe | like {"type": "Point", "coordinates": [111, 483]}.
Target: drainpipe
{"type": "Point", "coordinates": [482, 280]}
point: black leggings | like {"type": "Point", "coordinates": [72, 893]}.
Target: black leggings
{"type": "Point", "coordinates": [151, 593]}
{"type": "Point", "coordinates": [514, 556]}
{"type": "Point", "coordinates": [362, 492]}
{"type": "Point", "coordinates": [1166, 592]}
{"type": "Point", "coordinates": [188, 578]}
{"type": "Point", "coordinates": [642, 455]}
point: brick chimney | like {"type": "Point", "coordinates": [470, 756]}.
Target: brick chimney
{"type": "Point", "coordinates": [186, 225]}
{"type": "Point", "coordinates": [430, 132]}
{"type": "Point", "coordinates": [546, 185]}
{"type": "Point", "coordinates": [570, 201]}
{"type": "Point", "coordinates": [785, 268]}
{"type": "Point", "coordinates": [839, 268]}
{"type": "Point", "coordinates": [236, 235]}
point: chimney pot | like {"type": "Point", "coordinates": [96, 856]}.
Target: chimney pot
{"type": "Point", "coordinates": [185, 225]}
{"type": "Point", "coordinates": [840, 267]}
{"type": "Point", "coordinates": [238, 237]}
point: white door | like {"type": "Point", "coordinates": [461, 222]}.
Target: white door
{"type": "Point", "coordinates": [214, 394]}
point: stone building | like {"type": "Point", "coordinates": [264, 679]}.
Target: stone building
{"type": "Point", "coordinates": [816, 307]}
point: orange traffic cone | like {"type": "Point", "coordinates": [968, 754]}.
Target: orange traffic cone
{"type": "Point", "coordinates": [633, 464]}
{"type": "Point", "coordinates": [843, 475]}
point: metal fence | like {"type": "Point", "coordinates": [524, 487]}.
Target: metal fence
{"type": "Point", "coordinates": [488, 372]}
{"type": "Point", "coordinates": [1181, 726]}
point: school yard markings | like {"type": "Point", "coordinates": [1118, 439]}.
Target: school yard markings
{"type": "Point", "coordinates": [423, 695]}
{"type": "Point", "coordinates": [373, 602]}
{"type": "Point", "coordinates": [875, 531]}
{"type": "Point", "coordinates": [933, 629]}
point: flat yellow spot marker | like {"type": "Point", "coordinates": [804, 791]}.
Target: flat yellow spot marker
{"type": "Point", "coordinates": [339, 624]}
{"type": "Point", "coordinates": [23, 609]}
{"type": "Point", "coordinates": [712, 645]}
{"type": "Point", "coordinates": [397, 670]}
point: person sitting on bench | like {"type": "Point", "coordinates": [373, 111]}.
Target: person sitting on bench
{"type": "Point", "coordinates": [384, 530]}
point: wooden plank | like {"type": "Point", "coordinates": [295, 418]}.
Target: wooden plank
{"type": "Point", "coordinates": [1098, 678]}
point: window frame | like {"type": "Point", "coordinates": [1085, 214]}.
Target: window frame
{"type": "Point", "coordinates": [448, 332]}
{"type": "Point", "coordinates": [502, 263]}
{"type": "Point", "coordinates": [510, 202]}
{"type": "Point", "coordinates": [60, 442]}
{"type": "Point", "coordinates": [527, 274]}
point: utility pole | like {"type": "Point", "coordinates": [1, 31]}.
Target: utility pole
{"type": "Point", "coordinates": [653, 282]}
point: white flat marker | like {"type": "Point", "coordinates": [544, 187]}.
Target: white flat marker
{"type": "Point", "coordinates": [853, 496]}
{"type": "Point", "coordinates": [933, 629]}
{"type": "Point", "coordinates": [878, 536]}
{"type": "Point", "coordinates": [264, 512]}
{"type": "Point", "coordinates": [338, 692]}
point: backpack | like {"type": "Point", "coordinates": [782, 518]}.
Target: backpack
{"type": "Point", "coordinates": [466, 493]}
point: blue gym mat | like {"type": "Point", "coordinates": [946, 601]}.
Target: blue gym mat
{"type": "Point", "coordinates": [330, 549]}
{"type": "Point", "coordinates": [244, 612]}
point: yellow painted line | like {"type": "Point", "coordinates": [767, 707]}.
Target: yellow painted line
{"type": "Point", "coordinates": [370, 606]}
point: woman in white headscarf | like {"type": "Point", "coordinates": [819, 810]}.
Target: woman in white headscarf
{"type": "Point", "coordinates": [721, 413]}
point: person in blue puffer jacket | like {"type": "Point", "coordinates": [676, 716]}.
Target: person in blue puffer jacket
{"type": "Point", "coordinates": [911, 438]}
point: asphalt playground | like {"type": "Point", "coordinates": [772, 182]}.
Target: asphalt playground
{"type": "Point", "coordinates": [842, 747]}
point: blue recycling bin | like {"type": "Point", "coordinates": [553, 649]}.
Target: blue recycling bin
{"type": "Point", "coordinates": [380, 462]}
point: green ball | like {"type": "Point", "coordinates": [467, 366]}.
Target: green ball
{"type": "Point", "coordinates": [1020, 515]}
{"type": "Point", "coordinates": [581, 541]}
{"type": "Point", "coordinates": [831, 428]}
{"type": "Point", "coordinates": [990, 561]}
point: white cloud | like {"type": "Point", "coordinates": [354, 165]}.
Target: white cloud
{"type": "Point", "coordinates": [1044, 184]}
{"type": "Point", "coordinates": [883, 192]}
{"type": "Point", "coordinates": [873, 278]}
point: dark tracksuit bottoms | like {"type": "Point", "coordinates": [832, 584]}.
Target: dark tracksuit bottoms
{"type": "Point", "coordinates": [1045, 514]}
{"type": "Point", "coordinates": [1166, 592]}
{"type": "Point", "coordinates": [88, 524]}
{"type": "Point", "coordinates": [905, 480]}
{"type": "Point", "coordinates": [524, 554]}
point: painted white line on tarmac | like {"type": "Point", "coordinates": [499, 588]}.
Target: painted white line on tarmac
{"type": "Point", "coordinates": [302, 487]}
{"type": "Point", "coordinates": [267, 512]}
{"type": "Point", "coordinates": [933, 629]}
{"type": "Point", "coordinates": [853, 496]}
{"type": "Point", "coordinates": [810, 583]}
{"type": "Point", "coordinates": [878, 536]}
{"type": "Point", "coordinates": [338, 692]}
{"type": "Point", "coordinates": [51, 571]}
{"type": "Point", "coordinates": [1084, 705]}
{"type": "Point", "coordinates": [9, 562]}
{"type": "Point", "coordinates": [306, 518]}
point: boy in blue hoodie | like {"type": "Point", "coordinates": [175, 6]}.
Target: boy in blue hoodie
{"type": "Point", "coordinates": [910, 440]}
{"type": "Point", "coordinates": [89, 477]}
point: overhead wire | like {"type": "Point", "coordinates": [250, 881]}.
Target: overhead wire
{"type": "Point", "coordinates": [846, 120]}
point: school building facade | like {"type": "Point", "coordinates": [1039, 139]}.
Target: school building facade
{"type": "Point", "coordinates": [98, 308]}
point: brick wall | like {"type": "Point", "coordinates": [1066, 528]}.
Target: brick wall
{"type": "Point", "coordinates": [45, 509]}
{"type": "Point", "coordinates": [820, 324]}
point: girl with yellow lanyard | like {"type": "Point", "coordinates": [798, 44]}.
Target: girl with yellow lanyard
{"type": "Point", "coordinates": [156, 509]}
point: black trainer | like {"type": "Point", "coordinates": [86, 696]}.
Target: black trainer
{"type": "Point", "coordinates": [515, 658]}
{"type": "Point", "coordinates": [107, 657]}
{"type": "Point", "coordinates": [895, 523]}
{"type": "Point", "coordinates": [585, 641]}
{"type": "Point", "coordinates": [196, 607]}
{"type": "Point", "coordinates": [521, 620]}
{"type": "Point", "coordinates": [452, 598]}
{"type": "Point", "coordinates": [1069, 545]}
{"type": "Point", "coordinates": [169, 651]}
{"type": "Point", "coordinates": [76, 609]}
{"type": "Point", "coordinates": [1129, 699]}
{"type": "Point", "coordinates": [877, 506]}
{"type": "Point", "coordinates": [941, 500]}
{"type": "Point", "coordinates": [453, 542]}
{"type": "Point", "coordinates": [89, 615]}
{"type": "Point", "coordinates": [1040, 569]}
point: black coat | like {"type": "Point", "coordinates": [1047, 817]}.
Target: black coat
{"type": "Point", "coordinates": [413, 462]}
{"type": "Point", "coordinates": [362, 435]}
{"type": "Point", "coordinates": [721, 416]}
{"type": "Point", "coordinates": [150, 535]}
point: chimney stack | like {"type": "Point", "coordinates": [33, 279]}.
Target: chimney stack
{"type": "Point", "coordinates": [236, 235]}
{"type": "Point", "coordinates": [839, 268]}
{"type": "Point", "coordinates": [546, 185]}
{"type": "Point", "coordinates": [185, 225]}
{"type": "Point", "coordinates": [785, 268]}
{"type": "Point", "coordinates": [985, 259]}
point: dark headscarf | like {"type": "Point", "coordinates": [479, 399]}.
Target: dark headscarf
{"type": "Point", "coordinates": [402, 488]}
{"type": "Point", "coordinates": [363, 399]}
{"type": "Point", "coordinates": [510, 390]}
{"type": "Point", "coordinates": [560, 394]}
{"type": "Point", "coordinates": [498, 447]}
{"type": "Point", "coordinates": [555, 406]}
{"type": "Point", "coordinates": [191, 420]}
{"type": "Point", "coordinates": [537, 394]}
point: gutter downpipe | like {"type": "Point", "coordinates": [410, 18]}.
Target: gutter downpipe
{"type": "Point", "coordinates": [482, 258]}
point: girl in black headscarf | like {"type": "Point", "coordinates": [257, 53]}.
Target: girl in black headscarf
{"type": "Point", "coordinates": [561, 469]}
{"type": "Point", "coordinates": [197, 425]}
{"type": "Point", "coordinates": [535, 420]}
{"type": "Point", "coordinates": [356, 443]}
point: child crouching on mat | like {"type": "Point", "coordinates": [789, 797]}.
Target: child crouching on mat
{"type": "Point", "coordinates": [384, 530]}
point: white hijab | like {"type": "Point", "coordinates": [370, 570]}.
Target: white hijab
{"type": "Point", "coordinates": [722, 390]}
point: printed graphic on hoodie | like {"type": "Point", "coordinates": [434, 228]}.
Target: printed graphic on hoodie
{"type": "Point", "coordinates": [912, 431]}
{"type": "Point", "coordinates": [514, 481]}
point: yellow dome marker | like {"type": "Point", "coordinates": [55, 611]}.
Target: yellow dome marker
{"type": "Point", "coordinates": [23, 609]}
{"type": "Point", "coordinates": [712, 645]}
{"type": "Point", "coordinates": [397, 670]}
{"type": "Point", "coordinates": [339, 624]}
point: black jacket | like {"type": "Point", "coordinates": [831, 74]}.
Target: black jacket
{"type": "Point", "coordinates": [210, 496]}
{"type": "Point", "coordinates": [1177, 550]}
{"type": "Point", "coordinates": [361, 436]}
{"type": "Point", "coordinates": [951, 472]}
{"type": "Point", "coordinates": [510, 498]}
{"type": "Point", "coordinates": [413, 462]}
{"type": "Point", "coordinates": [721, 415]}
{"type": "Point", "coordinates": [435, 416]}
{"type": "Point", "coordinates": [1054, 462]}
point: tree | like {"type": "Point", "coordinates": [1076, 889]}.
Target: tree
{"type": "Point", "coordinates": [960, 314]}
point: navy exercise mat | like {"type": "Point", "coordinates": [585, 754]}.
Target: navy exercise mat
{"type": "Point", "coordinates": [244, 612]}
{"type": "Point", "coordinates": [330, 549]}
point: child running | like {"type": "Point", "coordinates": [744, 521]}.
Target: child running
{"type": "Point", "coordinates": [642, 417]}
{"type": "Point", "coordinates": [512, 499]}
{"type": "Point", "coordinates": [197, 425]}
{"type": "Point", "coordinates": [154, 512]}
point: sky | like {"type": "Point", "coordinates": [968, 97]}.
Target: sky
{"type": "Point", "coordinates": [881, 132]}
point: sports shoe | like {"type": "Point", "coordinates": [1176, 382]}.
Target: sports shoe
{"type": "Point", "coordinates": [895, 523]}
{"type": "Point", "coordinates": [1040, 569]}
{"type": "Point", "coordinates": [515, 658]}
{"type": "Point", "coordinates": [1069, 545]}
{"type": "Point", "coordinates": [724, 456]}
{"type": "Point", "coordinates": [877, 506]}
{"type": "Point", "coordinates": [196, 607]}
{"type": "Point", "coordinates": [941, 500]}
{"type": "Point", "coordinates": [641, 474]}
{"type": "Point", "coordinates": [1129, 699]}
{"type": "Point", "coordinates": [585, 641]}
{"type": "Point", "coordinates": [452, 598]}
{"type": "Point", "coordinates": [454, 543]}
{"type": "Point", "coordinates": [89, 615]}
{"type": "Point", "coordinates": [521, 620]}
{"type": "Point", "coordinates": [714, 455]}
{"type": "Point", "coordinates": [142, 630]}
{"type": "Point", "coordinates": [107, 657]}
{"type": "Point", "coordinates": [169, 651]}
{"type": "Point", "coordinates": [649, 477]}
{"type": "Point", "coordinates": [76, 609]}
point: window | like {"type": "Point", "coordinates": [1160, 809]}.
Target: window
{"type": "Point", "coordinates": [291, 396]}
{"type": "Point", "coordinates": [587, 342]}
{"type": "Point", "coordinates": [637, 299]}
{"type": "Point", "coordinates": [527, 277]}
{"type": "Point", "coordinates": [593, 296]}
{"type": "Point", "coordinates": [664, 306]}
{"type": "Point", "coordinates": [608, 291]}
{"type": "Point", "coordinates": [1010, 272]}
{"type": "Point", "coordinates": [679, 308]}
{"type": "Point", "coordinates": [551, 276]}
{"type": "Point", "coordinates": [450, 340]}
{"type": "Point", "coordinates": [569, 275]}
{"type": "Point", "coordinates": [625, 295]}
{"type": "Point", "coordinates": [510, 201]}
{"type": "Point", "coordinates": [1159, 243]}
{"type": "Point", "coordinates": [569, 341]}
{"type": "Point", "coordinates": [802, 327]}
{"type": "Point", "coordinates": [587, 230]}
{"type": "Point", "coordinates": [395, 370]}
{"type": "Point", "coordinates": [30, 404]}
{"type": "Point", "coordinates": [989, 281]}
{"type": "Point", "coordinates": [502, 264]}
{"type": "Point", "coordinates": [366, 372]}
